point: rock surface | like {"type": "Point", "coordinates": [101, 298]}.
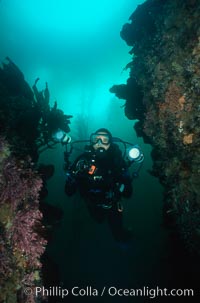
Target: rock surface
{"type": "Point", "coordinates": [163, 93]}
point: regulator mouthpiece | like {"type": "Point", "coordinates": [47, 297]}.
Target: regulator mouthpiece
{"type": "Point", "coordinates": [135, 154]}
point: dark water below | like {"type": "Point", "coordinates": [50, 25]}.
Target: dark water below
{"type": "Point", "coordinates": [82, 253]}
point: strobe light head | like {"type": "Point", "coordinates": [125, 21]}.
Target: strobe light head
{"type": "Point", "coordinates": [135, 154]}
{"type": "Point", "coordinates": [58, 135]}
{"type": "Point", "coordinates": [61, 136]}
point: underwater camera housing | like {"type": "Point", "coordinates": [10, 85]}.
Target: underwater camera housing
{"type": "Point", "coordinates": [132, 154]}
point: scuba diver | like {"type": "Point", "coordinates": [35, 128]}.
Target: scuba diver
{"type": "Point", "coordinates": [101, 175]}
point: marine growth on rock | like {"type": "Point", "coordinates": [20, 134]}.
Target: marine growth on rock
{"type": "Point", "coordinates": [165, 40]}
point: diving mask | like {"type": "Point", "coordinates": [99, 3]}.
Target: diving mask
{"type": "Point", "coordinates": [101, 138]}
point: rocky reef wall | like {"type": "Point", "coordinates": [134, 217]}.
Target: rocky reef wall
{"type": "Point", "coordinates": [21, 229]}
{"type": "Point", "coordinates": [163, 94]}
{"type": "Point", "coordinates": [27, 127]}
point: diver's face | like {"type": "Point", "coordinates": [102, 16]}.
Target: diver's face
{"type": "Point", "coordinates": [101, 140]}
